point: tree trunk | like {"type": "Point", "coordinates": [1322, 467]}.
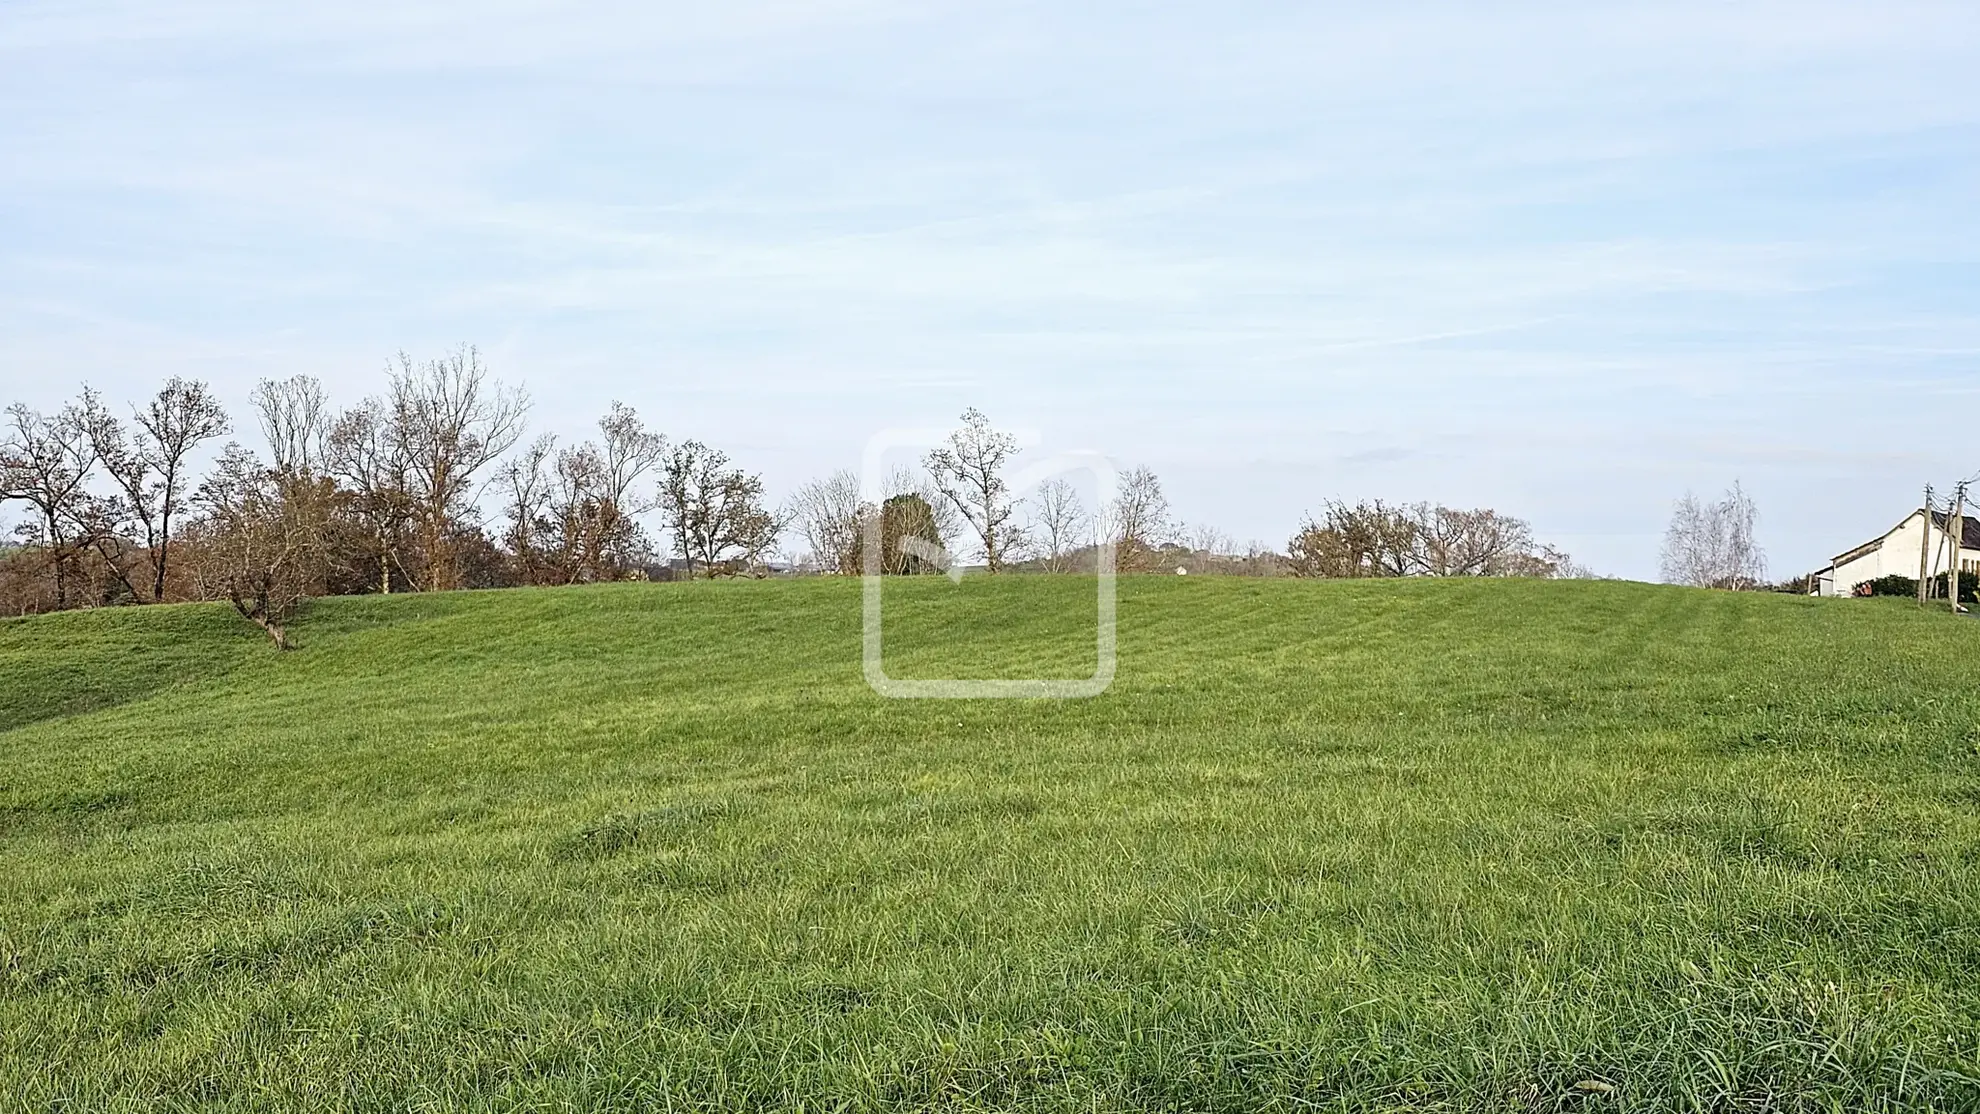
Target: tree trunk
{"type": "Point", "coordinates": [438, 578]}
{"type": "Point", "coordinates": [275, 632]}
{"type": "Point", "coordinates": [158, 580]}
{"type": "Point", "coordinates": [61, 571]}
{"type": "Point", "coordinates": [160, 555]}
{"type": "Point", "coordinates": [255, 612]}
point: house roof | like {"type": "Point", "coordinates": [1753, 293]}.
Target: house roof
{"type": "Point", "coordinates": [1969, 534]}
{"type": "Point", "coordinates": [1969, 527]}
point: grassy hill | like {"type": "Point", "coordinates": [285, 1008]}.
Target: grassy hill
{"type": "Point", "coordinates": [1346, 845]}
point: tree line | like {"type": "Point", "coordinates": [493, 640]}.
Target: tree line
{"type": "Point", "coordinates": [394, 494]}
{"type": "Point", "coordinates": [387, 495]}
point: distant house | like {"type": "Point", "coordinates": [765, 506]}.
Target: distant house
{"type": "Point", "coordinates": [1896, 553]}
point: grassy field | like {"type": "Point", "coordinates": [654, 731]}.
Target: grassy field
{"type": "Point", "coordinates": [1337, 846]}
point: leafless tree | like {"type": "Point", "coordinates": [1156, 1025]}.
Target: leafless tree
{"type": "Point", "coordinates": [1374, 538]}
{"type": "Point", "coordinates": [524, 484]}
{"type": "Point", "coordinates": [366, 452]}
{"type": "Point", "coordinates": [1711, 545]}
{"type": "Point", "coordinates": [573, 512]}
{"type": "Point", "coordinates": [1571, 569]}
{"type": "Point", "coordinates": [1205, 538]}
{"type": "Point", "coordinates": [833, 518]}
{"type": "Point", "coordinates": [450, 422]}
{"type": "Point", "coordinates": [1060, 525]}
{"type": "Point", "coordinates": [968, 471]}
{"type": "Point", "coordinates": [1480, 542]}
{"type": "Point", "coordinates": [829, 514]}
{"type": "Point", "coordinates": [253, 549]}
{"type": "Point", "coordinates": [1138, 521]}
{"type": "Point", "coordinates": [596, 501]}
{"type": "Point", "coordinates": [628, 453]}
{"type": "Point", "coordinates": [47, 463]}
{"type": "Point", "coordinates": [715, 512]}
{"type": "Point", "coordinates": [583, 515]}
{"type": "Point", "coordinates": [150, 467]}
{"type": "Point", "coordinates": [295, 420]}
{"type": "Point", "coordinates": [1209, 549]}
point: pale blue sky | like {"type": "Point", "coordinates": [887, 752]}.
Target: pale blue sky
{"type": "Point", "coordinates": [1565, 260]}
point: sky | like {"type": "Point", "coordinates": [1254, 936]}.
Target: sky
{"type": "Point", "coordinates": [1567, 261]}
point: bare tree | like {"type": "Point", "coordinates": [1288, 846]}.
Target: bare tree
{"type": "Point", "coordinates": [629, 452]}
{"type": "Point", "coordinates": [583, 516]}
{"type": "Point", "coordinates": [1204, 538]}
{"type": "Point", "coordinates": [1374, 538]}
{"type": "Point", "coordinates": [150, 467]}
{"type": "Point", "coordinates": [1060, 524]}
{"type": "Point", "coordinates": [573, 512]}
{"type": "Point", "coordinates": [1138, 521]}
{"type": "Point", "coordinates": [1209, 549]}
{"type": "Point", "coordinates": [451, 422]}
{"type": "Point", "coordinates": [295, 420]}
{"type": "Point", "coordinates": [829, 514]}
{"type": "Point", "coordinates": [1711, 545]}
{"type": "Point", "coordinates": [833, 518]}
{"type": "Point", "coordinates": [716, 512]}
{"type": "Point", "coordinates": [1481, 542]}
{"type": "Point", "coordinates": [366, 452]}
{"type": "Point", "coordinates": [1570, 569]}
{"type": "Point", "coordinates": [525, 489]}
{"type": "Point", "coordinates": [254, 550]}
{"type": "Point", "coordinates": [969, 473]}
{"type": "Point", "coordinates": [47, 463]}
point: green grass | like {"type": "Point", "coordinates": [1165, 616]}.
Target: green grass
{"type": "Point", "coordinates": [1337, 846]}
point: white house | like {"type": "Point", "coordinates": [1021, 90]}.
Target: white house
{"type": "Point", "coordinates": [1897, 553]}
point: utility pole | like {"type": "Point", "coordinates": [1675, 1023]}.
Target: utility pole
{"type": "Point", "coordinates": [1925, 547]}
{"type": "Point", "coordinates": [1955, 534]}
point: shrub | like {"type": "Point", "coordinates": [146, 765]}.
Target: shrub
{"type": "Point", "coordinates": [1895, 585]}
